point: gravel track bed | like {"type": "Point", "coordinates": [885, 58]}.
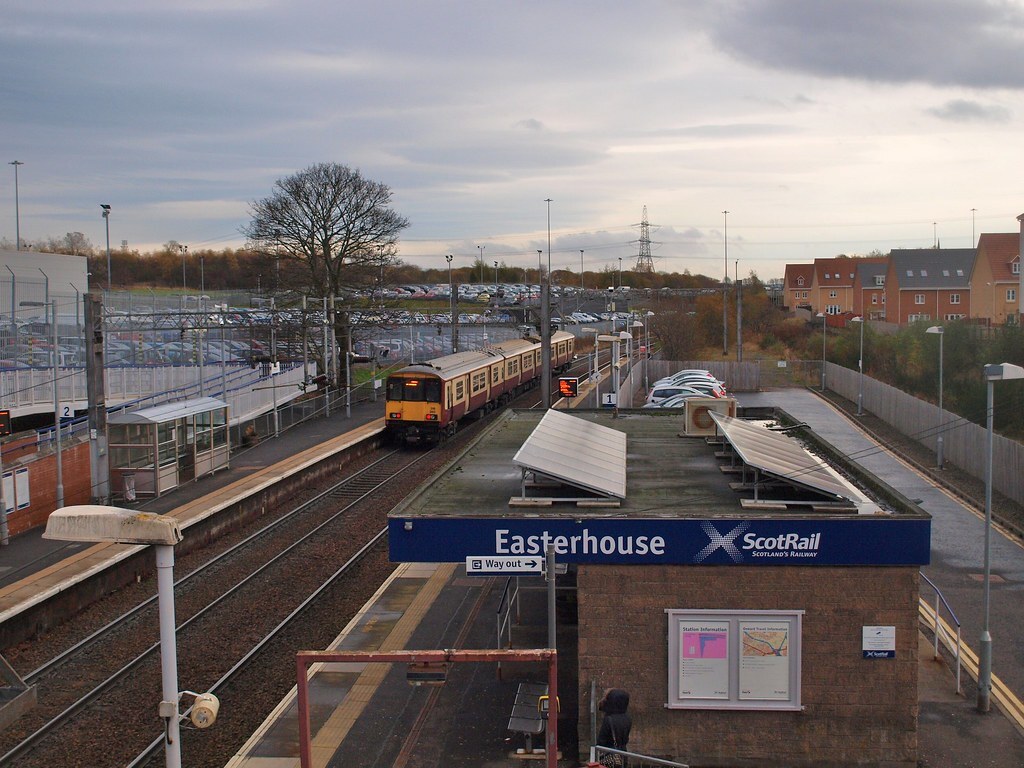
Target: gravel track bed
{"type": "Point", "coordinates": [112, 733]}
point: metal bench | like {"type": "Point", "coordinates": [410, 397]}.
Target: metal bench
{"type": "Point", "coordinates": [526, 717]}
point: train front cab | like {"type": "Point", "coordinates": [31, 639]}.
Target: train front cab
{"type": "Point", "coordinates": [413, 409]}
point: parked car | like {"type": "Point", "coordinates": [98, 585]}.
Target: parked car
{"type": "Point", "coordinates": [663, 392]}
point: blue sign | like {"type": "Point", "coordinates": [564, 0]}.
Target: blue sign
{"type": "Point", "coordinates": [867, 541]}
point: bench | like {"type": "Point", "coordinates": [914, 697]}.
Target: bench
{"type": "Point", "coordinates": [526, 717]}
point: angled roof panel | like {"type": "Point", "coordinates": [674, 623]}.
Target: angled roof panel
{"type": "Point", "coordinates": [783, 457]}
{"type": "Point", "coordinates": [578, 452]}
{"type": "Point", "coordinates": [160, 414]}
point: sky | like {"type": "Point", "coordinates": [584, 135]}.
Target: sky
{"type": "Point", "coordinates": [754, 132]}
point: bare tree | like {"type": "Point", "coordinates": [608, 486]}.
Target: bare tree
{"type": "Point", "coordinates": [332, 219]}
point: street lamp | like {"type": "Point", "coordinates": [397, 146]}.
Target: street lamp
{"type": "Point", "coordinates": [993, 373]}
{"type": "Point", "coordinates": [647, 346]}
{"type": "Point", "coordinates": [99, 524]}
{"type": "Point", "coordinates": [495, 277]}
{"type": "Point", "coordinates": [725, 289]}
{"type": "Point", "coordinates": [823, 325]}
{"type": "Point", "coordinates": [184, 251]}
{"type": "Point", "coordinates": [860, 366]}
{"type": "Point", "coordinates": [106, 221]}
{"type": "Point", "coordinates": [545, 323]}
{"type": "Point", "coordinates": [451, 302]}
{"type": "Point", "coordinates": [938, 329]}
{"type": "Point", "coordinates": [56, 394]}
{"type": "Point", "coordinates": [620, 273]}
{"type": "Point", "coordinates": [480, 249]}
{"type": "Point", "coordinates": [17, 212]}
{"type": "Point", "coordinates": [582, 288]}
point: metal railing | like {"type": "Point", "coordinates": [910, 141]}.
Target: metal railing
{"type": "Point", "coordinates": [931, 617]}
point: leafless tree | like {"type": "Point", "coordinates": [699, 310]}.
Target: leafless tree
{"type": "Point", "coordinates": [332, 219]}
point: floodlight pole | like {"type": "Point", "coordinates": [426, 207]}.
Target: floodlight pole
{"type": "Point", "coordinates": [939, 457]}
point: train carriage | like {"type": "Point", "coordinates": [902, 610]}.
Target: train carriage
{"type": "Point", "coordinates": [425, 401]}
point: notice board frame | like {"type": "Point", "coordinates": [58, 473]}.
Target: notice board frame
{"type": "Point", "coordinates": [734, 675]}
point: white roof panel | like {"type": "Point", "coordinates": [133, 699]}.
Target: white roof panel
{"type": "Point", "coordinates": [159, 414]}
{"type": "Point", "coordinates": [782, 456]}
{"type": "Point", "coordinates": [578, 452]}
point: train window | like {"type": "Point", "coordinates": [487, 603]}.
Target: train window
{"type": "Point", "coordinates": [495, 374]}
{"type": "Point", "coordinates": [460, 389]}
{"type": "Point", "coordinates": [414, 390]}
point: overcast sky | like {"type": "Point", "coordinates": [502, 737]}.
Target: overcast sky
{"type": "Point", "coordinates": [821, 127]}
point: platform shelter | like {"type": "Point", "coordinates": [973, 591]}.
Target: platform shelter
{"type": "Point", "coordinates": [153, 450]}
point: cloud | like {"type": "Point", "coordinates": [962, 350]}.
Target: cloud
{"type": "Point", "coordinates": [963, 111]}
{"type": "Point", "coordinates": [974, 43]}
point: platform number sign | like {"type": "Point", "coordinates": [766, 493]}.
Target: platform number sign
{"type": "Point", "coordinates": [569, 386]}
{"type": "Point", "coordinates": [5, 422]}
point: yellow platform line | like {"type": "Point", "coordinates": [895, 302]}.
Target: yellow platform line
{"type": "Point", "coordinates": [1004, 698]}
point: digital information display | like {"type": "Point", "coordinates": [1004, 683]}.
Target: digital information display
{"type": "Point", "coordinates": [569, 386]}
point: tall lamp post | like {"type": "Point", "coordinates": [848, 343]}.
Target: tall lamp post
{"type": "Point", "coordinates": [106, 221]}
{"type": "Point", "coordinates": [823, 326]}
{"type": "Point", "coordinates": [647, 347]}
{"type": "Point", "coordinates": [545, 323]}
{"type": "Point", "coordinates": [860, 366]}
{"type": "Point", "coordinates": [495, 277]}
{"type": "Point", "coordinates": [938, 329]}
{"type": "Point", "coordinates": [480, 248]}
{"type": "Point", "coordinates": [184, 252]}
{"type": "Point", "coordinates": [993, 373]}
{"type": "Point", "coordinates": [91, 523]}
{"type": "Point", "coordinates": [582, 288]}
{"type": "Point", "coordinates": [725, 289]}
{"type": "Point", "coordinates": [17, 211]}
{"type": "Point", "coordinates": [451, 303]}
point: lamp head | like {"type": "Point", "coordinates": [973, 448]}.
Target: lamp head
{"type": "Point", "coordinates": [935, 329]}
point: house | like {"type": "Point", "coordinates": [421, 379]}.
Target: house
{"type": "Point", "coordinates": [996, 278]}
{"type": "Point", "coordinates": [833, 286]}
{"type": "Point", "coordinates": [928, 284]}
{"type": "Point", "coordinates": [797, 285]}
{"type": "Point", "coordinates": [869, 288]}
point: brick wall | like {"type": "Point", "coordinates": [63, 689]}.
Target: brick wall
{"type": "Point", "coordinates": [856, 711]}
{"type": "Point", "coordinates": [42, 479]}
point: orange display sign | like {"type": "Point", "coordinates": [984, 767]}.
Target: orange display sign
{"type": "Point", "coordinates": [569, 386]}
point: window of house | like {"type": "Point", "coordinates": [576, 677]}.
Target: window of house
{"type": "Point", "coordinates": [874, 298]}
{"type": "Point", "coordinates": [910, 273]}
{"type": "Point", "coordinates": [959, 273]}
{"type": "Point", "coordinates": [955, 316]}
{"type": "Point", "coordinates": [833, 309]}
{"type": "Point", "coordinates": [831, 294]}
{"type": "Point", "coordinates": [954, 298]}
{"type": "Point", "coordinates": [1015, 267]}
{"type": "Point", "coordinates": [879, 280]}
{"type": "Point", "coordinates": [924, 273]}
{"type": "Point", "coordinates": [1011, 294]}
{"type": "Point", "coordinates": [800, 282]}
{"type": "Point", "coordinates": [919, 298]}
{"type": "Point", "coordinates": [945, 273]}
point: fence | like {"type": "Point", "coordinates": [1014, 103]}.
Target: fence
{"type": "Point", "coordinates": [965, 443]}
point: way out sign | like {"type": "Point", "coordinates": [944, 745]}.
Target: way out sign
{"type": "Point", "coordinates": [490, 565]}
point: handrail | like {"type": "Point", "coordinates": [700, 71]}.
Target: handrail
{"type": "Point", "coordinates": [509, 595]}
{"type": "Point", "coordinates": [939, 627]}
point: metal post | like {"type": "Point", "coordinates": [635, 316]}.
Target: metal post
{"type": "Point", "coordinates": [985, 646]}
{"type": "Point", "coordinates": [348, 367]}
{"type": "Point", "coordinates": [939, 440]}
{"type": "Point", "coordinates": [725, 289]}
{"type": "Point", "coordinates": [168, 655]}
{"type": "Point", "coordinates": [824, 318]}
{"type": "Point", "coordinates": [56, 409]}
{"type": "Point", "coordinates": [326, 368]}
{"type": "Point", "coordinates": [106, 221]}
{"type": "Point", "coordinates": [273, 365]}
{"type": "Point", "coordinates": [860, 365]}
{"type": "Point", "coordinates": [95, 393]}
{"type": "Point", "coordinates": [4, 538]}
{"type": "Point", "coordinates": [17, 212]}
{"type": "Point", "coordinates": [184, 250]}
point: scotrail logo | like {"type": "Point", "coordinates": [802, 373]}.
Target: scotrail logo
{"type": "Point", "coordinates": [784, 545]}
{"type": "Point", "coordinates": [719, 541]}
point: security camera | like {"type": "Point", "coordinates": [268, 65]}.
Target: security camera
{"type": "Point", "coordinates": [204, 710]}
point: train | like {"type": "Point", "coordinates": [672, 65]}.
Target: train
{"type": "Point", "coordinates": [425, 401]}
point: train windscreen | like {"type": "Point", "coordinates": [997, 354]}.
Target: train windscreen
{"type": "Point", "coordinates": [414, 390]}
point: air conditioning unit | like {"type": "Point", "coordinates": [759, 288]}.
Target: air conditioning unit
{"type": "Point", "coordinates": [698, 421]}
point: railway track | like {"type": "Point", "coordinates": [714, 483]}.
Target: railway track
{"type": "Point", "coordinates": [232, 606]}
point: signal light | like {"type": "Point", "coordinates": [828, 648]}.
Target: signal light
{"type": "Point", "coordinates": [5, 421]}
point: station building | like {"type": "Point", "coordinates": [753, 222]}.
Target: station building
{"type": "Point", "coordinates": [758, 601]}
